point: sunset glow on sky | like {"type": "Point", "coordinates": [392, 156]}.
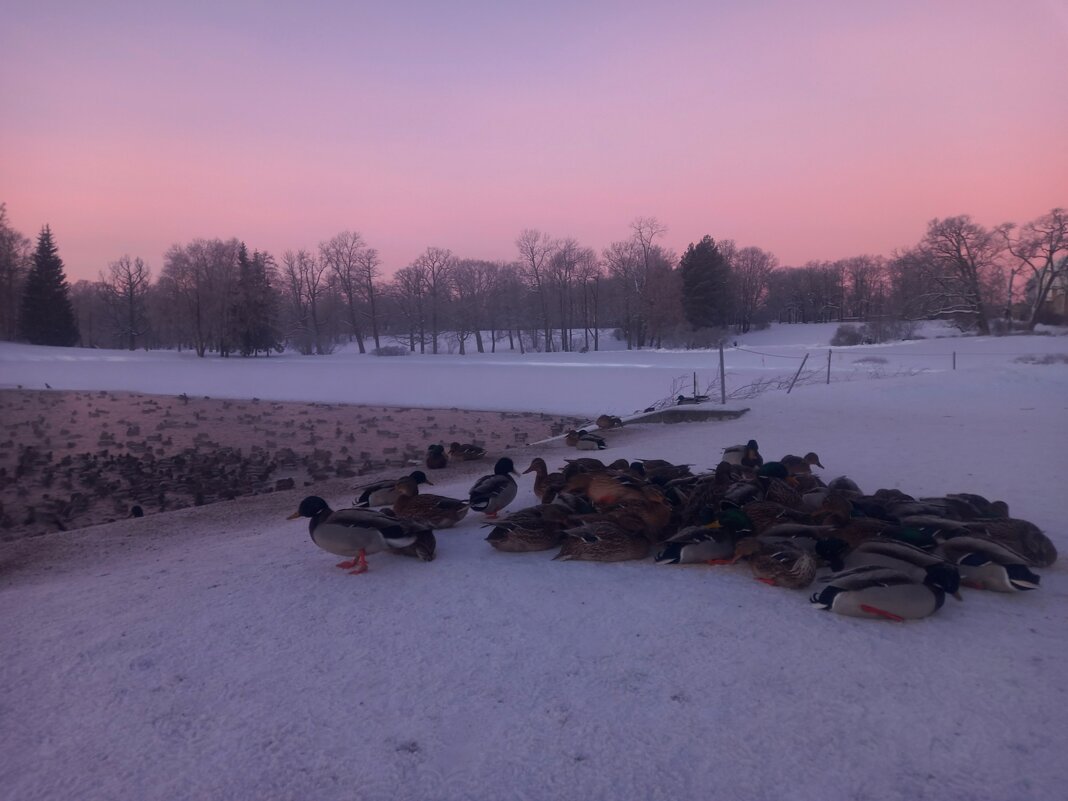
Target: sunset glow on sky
{"type": "Point", "coordinates": [816, 130]}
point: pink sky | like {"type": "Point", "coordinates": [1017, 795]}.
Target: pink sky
{"type": "Point", "coordinates": [815, 130]}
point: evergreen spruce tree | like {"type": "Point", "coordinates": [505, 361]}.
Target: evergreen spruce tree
{"type": "Point", "coordinates": [705, 285]}
{"type": "Point", "coordinates": [46, 316]}
{"type": "Point", "coordinates": [254, 308]}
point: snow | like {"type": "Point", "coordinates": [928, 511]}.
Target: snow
{"type": "Point", "coordinates": [216, 653]}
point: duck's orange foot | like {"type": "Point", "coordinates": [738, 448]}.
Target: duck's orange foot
{"type": "Point", "coordinates": [360, 569]}
{"type": "Point", "coordinates": [874, 610]}
{"type": "Point", "coordinates": [346, 565]}
{"type": "Point", "coordinates": [769, 582]}
{"type": "Point", "coordinates": [491, 515]}
{"type": "Point", "coordinates": [721, 561]}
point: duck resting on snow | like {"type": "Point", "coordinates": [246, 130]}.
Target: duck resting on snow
{"type": "Point", "coordinates": [492, 493]}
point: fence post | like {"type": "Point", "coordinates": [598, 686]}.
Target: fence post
{"type": "Point", "coordinates": [722, 379]}
{"type": "Point", "coordinates": [954, 360]}
{"type": "Point", "coordinates": [828, 365]}
{"type": "Point", "coordinates": [797, 374]}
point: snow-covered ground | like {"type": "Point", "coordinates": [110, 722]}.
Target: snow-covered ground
{"type": "Point", "coordinates": [216, 653]}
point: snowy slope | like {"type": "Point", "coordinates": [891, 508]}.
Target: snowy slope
{"type": "Point", "coordinates": [216, 653]}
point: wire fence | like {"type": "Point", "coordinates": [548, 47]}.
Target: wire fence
{"type": "Point", "coordinates": [845, 364]}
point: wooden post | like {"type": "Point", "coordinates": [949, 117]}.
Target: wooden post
{"type": "Point", "coordinates": [797, 374]}
{"type": "Point", "coordinates": [722, 378]}
{"type": "Point", "coordinates": [828, 365]}
{"type": "Point", "coordinates": [954, 360]}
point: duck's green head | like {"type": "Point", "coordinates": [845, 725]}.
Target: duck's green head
{"type": "Point", "coordinates": [310, 507]}
{"type": "Point", "coordinates": [734, 520]}
{"type": "Point", "coordinates": [773, 470]}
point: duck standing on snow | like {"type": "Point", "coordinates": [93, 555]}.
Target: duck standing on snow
{"type": "Point", "coordinates": [357, 532]}
{"type": "Point", "coordinates": [492, 493]}
{"type": "Point", "coordinates": [385, 493]}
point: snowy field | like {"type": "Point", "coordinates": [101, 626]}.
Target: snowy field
{"type": "Point", "coordinates": [217, 653]}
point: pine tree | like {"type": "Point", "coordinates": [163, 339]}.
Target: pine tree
{"type": "Point", "coordinates": [705, 284]}
{"type": "Point", "coordinates": [253, 316]}
{"type": "Point", "coordinates": [46, 316]}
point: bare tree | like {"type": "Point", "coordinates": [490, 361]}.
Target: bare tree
{"type": "Point", "coordinates": [750, 270]}
{"type": "Point", "coordinates": [125, 288]}
{"type": "Point", "coordinates": [960, 257]}
{"type": "Point", "coordinates": [15, 251]}
{"type": "Point", "coordinates": [306, 286]}
{"type": "Point", "coordinates": [409, 292]}
{"type": "Point", "coordinates": [341, 256]}
{"type": "Point", "coordinates": [369, 264]}
{"type": "Point", "coordinates": [590, 274]}
{"type": "Point", "coordinates": [473, 283]}
{"type": "Point", "coordinates": [435, 265]}
{"type": "Point", "coordinates": [201, 277]}
{"type": "Point", "coordinates": [1041, 246]}
{"type": "Point", "coordinates": [535, 252]}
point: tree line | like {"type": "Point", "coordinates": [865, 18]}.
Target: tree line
{"type": "Point", "coordinates": [218, 296]}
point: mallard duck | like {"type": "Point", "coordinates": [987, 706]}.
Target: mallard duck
{"type": "Point", "coordinates": [492, 493]}
{"type": "Point", "coordinates": [534, 528]}
{"type": "Point", "coordinates": [437, 510]}
{"type": "Point", "coordinates": [357, 532]}
{"type": "Point", "coordinates": [1022, 536]}
{"type": "Point", "coordinates": [747, 455]}
{"type": "Point", "coordinates": [765, 514]}
{"type": "Point", "coordinates": [584, 440]}
{"type": "Point", "coordinates": [384, 492]}
{"type": "Point", "coordinates": [602, 541]}
{"type": "Point", "coordinates": [546, 484]}
{"type": "Point", "coordinates": [466, 452]}
{"type": "Point", "coordinates": [609, 421]}
{"type": "Point", "coordinates": [893, 553]}
{"type": "Point", "coordinates": [436, 458]}
{"type": "Point", "coordinates": [988, 565]}
{"type": "Point", "coordinates": [695, 544]}
{"type": "Point", "coordinates": [800, 465]}
{"type": "Point", "coordinates": [779, 561]}
{"type": "Point", "coordinates": [886, 593]}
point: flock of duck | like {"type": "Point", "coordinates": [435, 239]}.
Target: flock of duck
{"type": "Point", "coordinates": [883, 555]}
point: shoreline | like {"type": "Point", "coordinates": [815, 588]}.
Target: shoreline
{"type": "Point", "coordinates": [70, 459]}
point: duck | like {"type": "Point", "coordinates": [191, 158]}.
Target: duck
{"type": "Point", "coordinates": [609, 421]}
{"type": "Point", "coordinates": [602, 541]}
{"type": "Point", "coordinates": [437, 510]}
{"type": "Point", "coordinates": [584, 440]}
{"type": "Point", "coordinates": [466, 452]}
{"type": "Point", "coordinates": [885, 593]}
{"type": "Point", "coordinates": [436, 458]}
{"type": "Point", "coordinates": [885, 551]}
{"type": "Point", "coordinates": [801, 465]}
{"type": "Point", "coordinates": [710, 544]}
{"type": "Point", "coordinates": [533, 528]}
{"type": "Point", "coordinates": [546, 484]}
{"type": "Point", "coordinates": [747, 455]}
{"type": "Point", "coordinates": [492, 493]}
{"type": "Point", "coordinates": [384, 492]}
{"type": "Point", "coordinates": [357, 532]}
{"type": "Point", "coordinates": [779, 561]}
{"type": "Point", "coordinates": [1022, 536]}
{"type": "Point", "coordinates": [584, 464]}
{"type": "Point", "coordinates": [986, 564]}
